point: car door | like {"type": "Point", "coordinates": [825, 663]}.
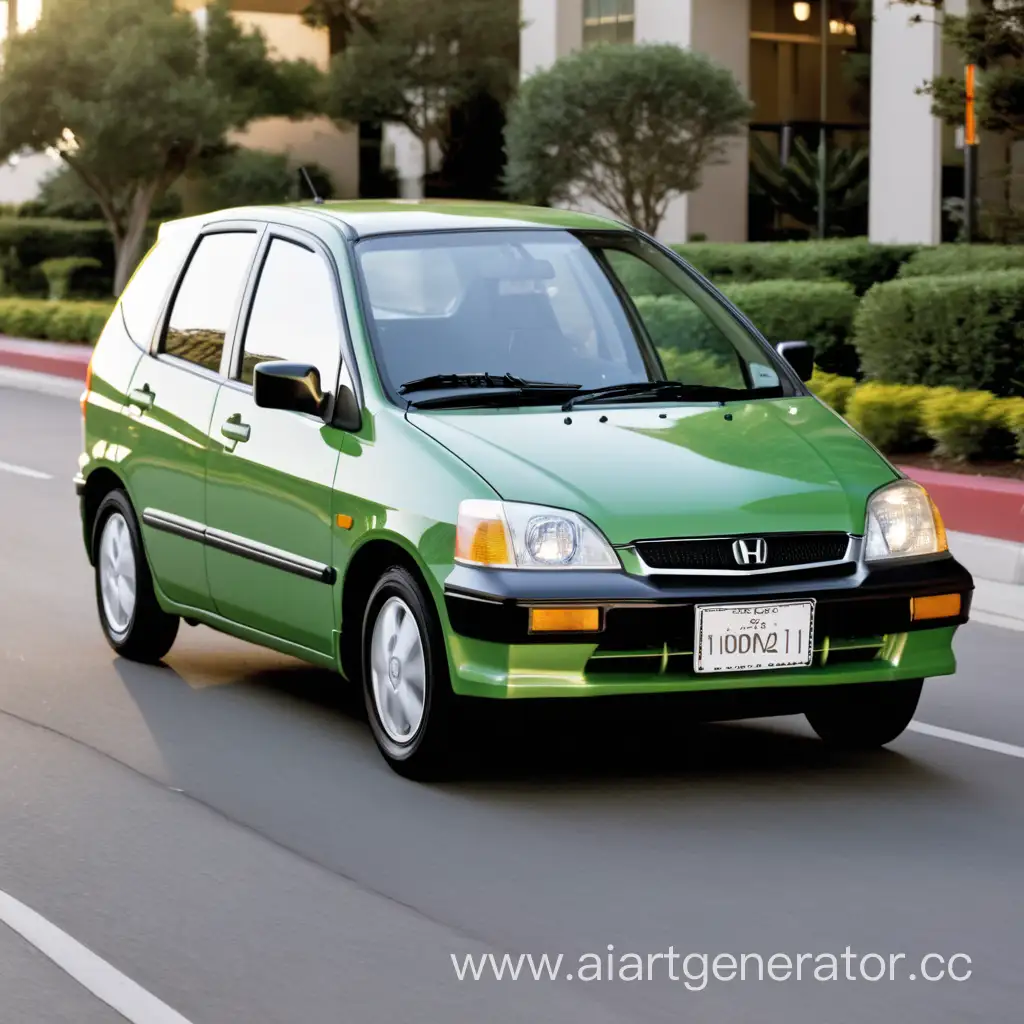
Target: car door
{"type": "Point", "coordinates": [172, 396]}
{"type": "Point", "coordinates": [269, 482]}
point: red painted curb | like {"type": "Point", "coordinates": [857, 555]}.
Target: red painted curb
{"type": "Point", "coordinates": [984, 505]}
{"type": "Point", "coordinates": [57, 365]}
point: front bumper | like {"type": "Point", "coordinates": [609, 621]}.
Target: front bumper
{"type": "Point", "coordinates": [863, 629]}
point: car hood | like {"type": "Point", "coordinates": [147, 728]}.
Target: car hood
{"type": "Point", "coordinates": [766, 466]}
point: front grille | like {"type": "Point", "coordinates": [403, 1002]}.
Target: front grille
{"type": "Point", "coordinates": [715, 554]}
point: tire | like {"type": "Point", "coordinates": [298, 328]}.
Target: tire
{"type": "Point", "coordinates": [409, 700]}
{"type": "Point", "coordinates": [133, 622]}
{"type": "Point", "coordinates": [865, 716]}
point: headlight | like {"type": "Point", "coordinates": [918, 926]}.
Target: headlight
{"type": "Point", "coordinates": [513, 535]}
{"type": "Point", "coordinates": [903, 521]}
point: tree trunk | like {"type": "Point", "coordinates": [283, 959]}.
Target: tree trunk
{"type": "Point", "coordinates": [12, 18]}
{"type": "Point", "coordinates": [128, 246]}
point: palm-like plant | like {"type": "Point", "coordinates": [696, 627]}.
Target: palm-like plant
{"type": "Point", "coordinates": [793, 188]}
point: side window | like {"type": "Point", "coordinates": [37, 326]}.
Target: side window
{"type": "Point", "coordinates": [206, 300]}
{"type": "Point", "coordinates": [294, 317]}
{"type": "Point", "coordinates": [143, 299]}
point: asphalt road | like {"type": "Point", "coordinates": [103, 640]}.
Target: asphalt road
{"type": "Point", "coordinates": [222, 832]}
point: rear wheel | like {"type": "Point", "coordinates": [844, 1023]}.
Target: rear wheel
{"type": "Point", "coordinates": [409, 699]}
{"type": "Point", "coordinates": [867, 715]}
{"type": "Point", "coordinates": [133, 623]}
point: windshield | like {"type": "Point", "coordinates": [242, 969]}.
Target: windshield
{"type": "Point", "coordinates": [589, 310]}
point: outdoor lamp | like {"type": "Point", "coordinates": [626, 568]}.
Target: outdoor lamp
{"type": "Point", "coordinates": [802, 11]}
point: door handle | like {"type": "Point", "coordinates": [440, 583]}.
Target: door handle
{"type": "Point", "coordinates": [143, 397]}
{"type": "Point", "coordinates": [235, 429]}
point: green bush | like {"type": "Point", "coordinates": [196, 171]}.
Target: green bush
{"type": "Point", "coordinates": [53, 321]}
{"type": "Point", "coordinates": [35, 241]}
{"type": "Point", "coordinates": [1013, 420]}
{"type": "Point", "coordinates": [963, 331]}
{"type": "Point", "coordinates": [832, 389]}
{"type": "Point", "coordinates": [59, 272]}
{"type": "Point", "coordinates": [889, 415]}
{"type": "Point", "coordinates": [64, 195]}
{"type": "Point", "coordinates": [254, 177]}
{"type": "Point", "coordinates": [701, 368]}
{"type": "Point", "coordinates": [944, 260]}
{"type": "Point", "coordinates": [820, 313]}
{"type": "Point", "coordinates": [855, 261]}
{"type": "Point", "coordinates": [960, 422]}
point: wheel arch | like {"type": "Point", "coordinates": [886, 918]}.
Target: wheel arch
{"type": "Point", "coordinates": [98, 484]}
{"type": "Point", "coordinates": [366, 566]}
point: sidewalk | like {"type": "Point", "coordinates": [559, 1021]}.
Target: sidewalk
{"type": "Point", "coordinates": [52, 357]}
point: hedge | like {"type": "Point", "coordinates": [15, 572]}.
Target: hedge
{"type": "Point", "coordinates": [964, 331]}
{"type": "Point", "coordinates": [817, 312]}
{"type": "Point", "coordinates": [944, 260]}
{"type": "Point", "coordinates": [855, 261]}
{"type": "Point", "coordinates": [53, 321]}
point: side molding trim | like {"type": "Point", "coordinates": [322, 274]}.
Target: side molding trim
{"type": "Point", "coordinates": [241, 546]}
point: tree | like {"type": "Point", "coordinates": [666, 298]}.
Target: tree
{"type": "Point", "coordinates": [341, 18]}
{"type": "Point", "coordinates": [130, 94]}
{"type": "Point", "coordinates": [420, 59]}
{"type": "Point", "coordinates": [629, 126]}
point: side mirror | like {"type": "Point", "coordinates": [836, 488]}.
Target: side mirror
{"type": "Point", "coordinates": [294, 387]}
{"type": "Point", "coordinates": [799, 355]}
{"type": "Point", "coordinates": [347, 415]}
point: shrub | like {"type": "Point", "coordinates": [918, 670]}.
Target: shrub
{"type": "Point", "coordinates": [820, 313]}
{"type": "Point", "coordinates": [944, 260]}
{"type": "Point", "coordinates": [963, 331]}
{"type": "Point", "coordinates": [32, 241]}
{"type": "Point", "coordinates": [889, 415]}
{"type": "Point", "coordinates": [855, 261]}
{"type": "Point", "coordinates": [960, 422]}
{"type": "Point", "coordinates": [832, 389]}
{"type": "Point", "coordinates": [700, 368]}
{"type": "Point", "coordinates": [64, 195]}
{"type": "Point", "coordinates": [254, 177]}
{"type": "Point", "coordinates": [58, 273]}
{"type": "Point", "coordinates": [1013, 420]}
{"type": "Point", "coordinates": [53, 321]}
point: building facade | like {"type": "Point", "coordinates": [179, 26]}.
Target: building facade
{"type": "Point", "coordinates": [775, 51]}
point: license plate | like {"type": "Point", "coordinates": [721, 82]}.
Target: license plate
{"type": "Point", "coordinates": [753, 637]}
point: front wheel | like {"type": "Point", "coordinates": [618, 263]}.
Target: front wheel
{"type": "Point", "coordinates": [409, 699]}
{"type": "Point", "coordinates": [865, 716]}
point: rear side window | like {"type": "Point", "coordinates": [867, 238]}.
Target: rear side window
{"type": "Point", "coordinates": [294, 317]}
{"type": "Point", "coordinates": [143, 299]}
{"type": "Point", "coordinates": [207, 298]}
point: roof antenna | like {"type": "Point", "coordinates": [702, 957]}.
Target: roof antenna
{"type": "Point", "coordinates": [317, 198]}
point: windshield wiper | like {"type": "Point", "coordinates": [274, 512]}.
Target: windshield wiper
{"type": "Point", "coordinates": [656, 389]}
{"type": "Point", "coordinates": [481, 380]}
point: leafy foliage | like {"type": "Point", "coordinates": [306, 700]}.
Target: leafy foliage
{"type": "Point", "coordinates": [629, 126]}
{"type": "Point", "coordinates": [834, 390]}
{"type": "Point", "coordinates": [963, 259]}
{"type": "Point", "coordinates": [131, 110]}
{"type": "Point", "coordinates": [65, 196]}
{"type": "Point", "coordinates": [965, 331]}
{"type": "Point", "coordinates": [792, 188]}
{"type": "Point", "coordinates": [889, 415]}
{"type": "Point", "coordinates": [59, 272]}
{"type": "Point", "coordinates": [53, 321]}
{"type": "Point", "coordinates": [341, 18]}
{"type": "Point", "coordinates": [239, 176]}
{"type": "Point", "coordinates": [857, 262]}
{"type": "Point", "coordinates": [961, 423]}
{"type": "Point", "coordinates": [420, 59]}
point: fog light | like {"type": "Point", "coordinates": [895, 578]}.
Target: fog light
{"type": "Point", "coordinates": [565, 620]}
{"type": "Point", "coordinates": [943, 606]}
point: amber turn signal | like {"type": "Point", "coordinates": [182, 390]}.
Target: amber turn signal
{"type": "Point", "coordinates": [482, 542]}
{"type": "Point", "coordinates": [343, 522]}
{"type": "Point", "coordinates": [943, 606]}
{"type": "Point", "coordinates": [565, 620]}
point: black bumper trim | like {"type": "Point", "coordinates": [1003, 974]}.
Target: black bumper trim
{"type": "Point", "coordinates": [641, 612]}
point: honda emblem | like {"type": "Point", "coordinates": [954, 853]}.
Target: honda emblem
{"type": "Point", "coordinates": [751, 551]}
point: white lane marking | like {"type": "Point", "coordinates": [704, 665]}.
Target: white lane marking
{"type": "Point", "coordinates": [967, 739]}
{"type": "Point", "coordinates": [995, 619]}
{"type": "Point", "coordinates": [105, 982]}
{"type": "Point", "coordinates": [7, 467]}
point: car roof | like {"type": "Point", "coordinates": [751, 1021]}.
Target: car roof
{"type": "Point", "coordinates": [364, 218]}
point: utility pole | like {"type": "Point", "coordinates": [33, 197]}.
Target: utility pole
{"type": "Point", "coordinates": [970, 159]}
{"type": "Point", "coordinates": [823, 114]}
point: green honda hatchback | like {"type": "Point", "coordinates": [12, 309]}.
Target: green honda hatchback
{"type": "Point", "coordinates": [435, 448]}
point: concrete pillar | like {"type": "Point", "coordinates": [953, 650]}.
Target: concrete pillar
{"type": "Point", "coordinates": [906, 140]}
{"type": "Point", "coordinates": [551, 29]}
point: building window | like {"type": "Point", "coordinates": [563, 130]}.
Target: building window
{"type": "Point", "coordinates": [607, 21]}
